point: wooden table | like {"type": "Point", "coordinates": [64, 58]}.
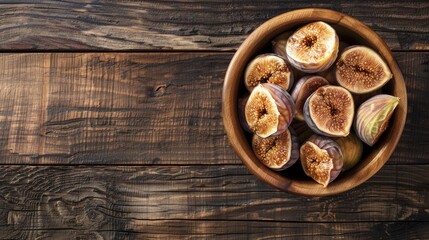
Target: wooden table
{"type": "Point", "coordinates": [111, 126]}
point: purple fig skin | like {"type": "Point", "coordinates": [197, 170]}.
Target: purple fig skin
{"type": "Point", "coordinates": [334, 151]}
{"type": "Point", "coordinates": [279, 44]}
{"type": "Point", "coordinates": [298, 86]}
{"type": "Point", "coordinates": [286, 106]}
{"type": "Point", "coordinates": [308, 119]}
{"type": "Point", "coordinates": [303, 89]}
{"type": "Point", "coordinates": [294, 154]}
{"type": "Point", "coordinates": [368, 113]}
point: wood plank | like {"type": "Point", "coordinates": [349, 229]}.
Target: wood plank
{"type": "Point", "coordinates": [198, 229]}
{"type": "Point", "coordinates": [113, 108]}
{"type": "Point", "coordinates": [187, 25]}
{"type": "Point", "coordinates": [413, 146]}
{"type": "Point", "coordinates": [99, 198]}
{"type": "Point", "coordinates": [139, 108]}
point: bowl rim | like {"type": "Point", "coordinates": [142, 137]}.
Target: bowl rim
{"type": "Point", "coordinates": [259, 38]}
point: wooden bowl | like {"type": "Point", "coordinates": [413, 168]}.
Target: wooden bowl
{"type": "Point", "coordinates": [293, 180]}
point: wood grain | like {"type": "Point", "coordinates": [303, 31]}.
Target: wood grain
{"type": "Point", "coordinates": [113, 108]}
{"type": "Point", "coordinates": [108, 145]}
{"type": "Point", "coordinates": [143, 108]}
{"type": "Point", "coordinates": [415, 134]}
{"type": "Point", "coordinates": [200, 229]}
{"type": "Point", "coordinates": [186, 25]}
{"type": "Point", "coordinates": [198, 200]}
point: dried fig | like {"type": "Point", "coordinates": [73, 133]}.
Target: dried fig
{"type": "Point", "coordinates": [329, 111]}
{"type": "Point", "coordinates": [321, 159]}
{"type": "Point", "coordinates": [277, 152]}
{"type": "Point", "coordinates": [269, 110]}
{"type": "Point", "coordinates": [313, 47]}
{"type": "Point", "coordinates": [268, 68]}
{"type": "Point", "coordinates": [360, 69]}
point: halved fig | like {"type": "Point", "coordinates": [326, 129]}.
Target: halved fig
{"type": "Point", "coordinates": [269, 110]}
{"type": "Point", "coordinates": [352, 149]}
{"type": "Point", "coordinates": [303, 89]}
{"type": "Point", "coordinates": [313, 47]}
{"type": "Point", "coordinates": [268, 68]}
{"type": "Point", "coordinates": [321, 159]}
{"type": "Point", "coordinates": [360, 69]}
{"type": "Point", "coordinates": [373, 116]}
{"type": "Point", "coordinates": [277, 152]}
{"type": "Point", "coordinates": [329, 111]}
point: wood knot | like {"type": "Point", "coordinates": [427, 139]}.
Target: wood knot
{"type": "Point", "coordinates": [160, 90]}
{"type": "Point", "coordinates": [84, 213]}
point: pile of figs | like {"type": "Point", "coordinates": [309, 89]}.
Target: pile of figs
{"type": "Point", "coordinates": [325, 117]}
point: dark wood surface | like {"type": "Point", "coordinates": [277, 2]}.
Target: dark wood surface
{"type": "Point", "coordinates": [186, 25]}
{"type": "Point", "coordinates": [111, 126]}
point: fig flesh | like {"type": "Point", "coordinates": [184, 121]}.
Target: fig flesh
{"type": "Point", "coordinates": [360, 69]}
{"type": "Point", "coordinates": [268, 68]}
{"type": "Point", "coordinates": [329, 111]}
{"type": "Point", "coordinates": [313, 47]}
{"type": "Point", "coordinates": [269, 110]}
{"type": "Point", "coordinates": [277, 152]}
{"type": "Point", "coordinates": [321, 159]}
